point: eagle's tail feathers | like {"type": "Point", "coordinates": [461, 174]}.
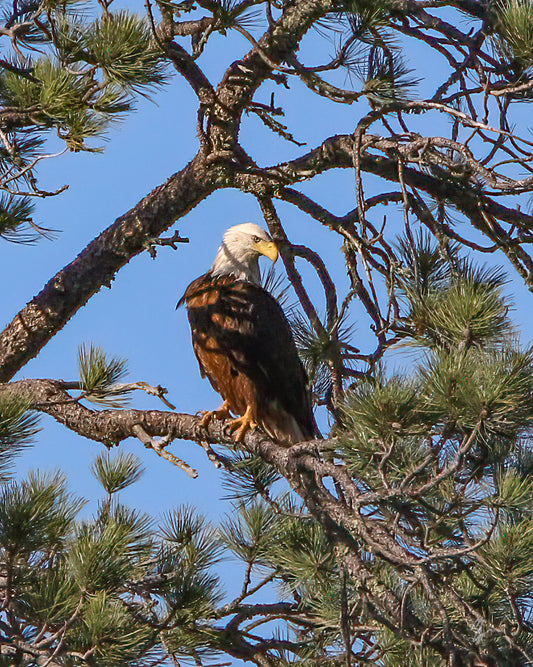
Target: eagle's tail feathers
{"type": "Point", "coordinates": [283, 427]}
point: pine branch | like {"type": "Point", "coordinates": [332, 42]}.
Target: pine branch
{"type": "Point", "coordinates": [117, 473]}
{"type": "Point", "coordinates": [99, 377]}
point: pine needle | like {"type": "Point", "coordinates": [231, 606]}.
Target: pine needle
{"type": "Point", "coordinates": [16, 219]}
{"type": "Point", "coordinates": [386, 79]}
{"type": "Point", "coordinates": [18, 425]}
{"type": "Point", "coordinates": [100, 375]}
{"type": "Point", "coordinates": [250, 477]}
{"type": "Point", "coordinates": [116, 473]}
{"type": "Point", "coordinates": [514, 31]}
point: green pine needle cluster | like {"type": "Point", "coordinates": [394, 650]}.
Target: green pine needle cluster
{"type": "Point", "coordinates": [513, 490]}
{"type": "Point", "coordinates": [303, 552]}
{"type": "Point", "coordinates": [366, 16]}
{"type": "Point", "coordinates": [479, 387]}
{"type": "Point", "coordinates": [100, 376]}
{"type": "Point", "coordinates": [112, 587]}
{"type": "Point", "coordinates": [248, 535]}
{"type": "Point", "coordinates": [116, 472]}
{"type": "Point", "coordinates": [450, 302]}
{"type": "Point", "coordinates": [283, 542]}
{"type": "Point", "coordinates": [18, 424]}
{"type": "Point", "coordinates": [16, 219]}
{"type": "Point", "coordinates": [370, 53]}
{"type": "Point", "coordinates": [483, 394]}
{"type": "Point", "coordinates": [319, 350]}
{"type": "Point", "coordinates": [36, 514]}
{"type": "Point", "coordinates": [85, 75]}
{"type": "Point", "coordinates": [386, 79]}
{"type": "Point", "coordinates": [232, 13]}
{"type": "Point", "coordinates": [514, 31]}
{"type": "Point", "coordinates": [124, 48]}
{"type": "Point", "coordinates": [250, 477]}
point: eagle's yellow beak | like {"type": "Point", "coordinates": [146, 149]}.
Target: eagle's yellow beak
{"type": "Point", "coordinates": [267, 248]}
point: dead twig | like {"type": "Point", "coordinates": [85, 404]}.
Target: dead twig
{"type": "Point", "coordinates": [159, 448]}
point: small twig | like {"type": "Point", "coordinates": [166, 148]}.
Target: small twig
{"type": "Point", "coordinates": [30, 166]}
{"type": "Point", "coordinates": [169, 240]}
{"type": "Point", "coordinates": [119, 388]}
{"type": "Point", "coordinates": [158, 391]}
{"type": "Point", "coordinates": [218, 460]}
{"type": "Point", "coordinates": [159, 448]}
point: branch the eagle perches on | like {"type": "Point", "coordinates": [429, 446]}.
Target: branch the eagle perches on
{"type": "Point", "coordinates": [304, 465]}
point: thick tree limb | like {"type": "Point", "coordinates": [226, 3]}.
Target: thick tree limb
{"type": "Point", "coordinates": [244, 76]}
{"type": "Point", "coordinates": [97, 265]}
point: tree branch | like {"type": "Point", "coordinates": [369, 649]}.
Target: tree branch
{"type": "Point", "coordinates": [49, 311]}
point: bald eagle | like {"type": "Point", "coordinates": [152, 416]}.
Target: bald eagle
{"type": "Point", "coordinates": [244, 345]}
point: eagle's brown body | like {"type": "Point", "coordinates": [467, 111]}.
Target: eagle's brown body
{"type": "Point", "coordinates": [245, 347]}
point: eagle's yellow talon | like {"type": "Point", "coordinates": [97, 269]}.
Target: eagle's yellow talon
{"type": "Point", "coordinates": [242, 425]}
{"type": "Point", "coordinates": [223, 412]}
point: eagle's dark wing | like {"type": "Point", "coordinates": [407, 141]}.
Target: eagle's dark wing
{"type": "Point", "coordinates": [201, 292]}
{"type": "Point", "coordinates": [269, 348]}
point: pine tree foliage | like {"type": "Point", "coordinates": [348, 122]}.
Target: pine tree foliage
{"type": "Point", "coordinates": [319, 349]}
{"type": "Point", "coordinates": [405, 536]}
{"type": "Point", "coordinates": [452, 303]}
{"type": "Point", "coordinates": [18, 424]}
{"type": "Point", "coordinates": [444, 453]}
{"type": "Point", "coordinates": [514, 30]}
{"type": "Point", "coordinates": [365, 16]}
{"type": "Point", "coordinates": [385, 77]}
{"type": "Point", "coordinates": [232, 13]}
{"type": "Point", "coordinates": [15, 218]}
{"type": "Point", "coordinates": [114, 588]}
{"type": "Point", "coordinates": [111, 589]}
{"type": "Point", "coordinates": [250, 478]}
{"type": "Point", "coordinates": [118, 472]}
{"type": "Point", "coordinates": [100, 375]}
{"type": "Point", "coordinates": [70, 73]}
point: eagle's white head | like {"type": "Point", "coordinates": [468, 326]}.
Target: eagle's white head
{"type": "Point", "coordinates": [238, 255]}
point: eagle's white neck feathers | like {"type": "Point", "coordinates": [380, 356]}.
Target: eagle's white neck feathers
{"type": "Point", "coordinates": [238, 255]}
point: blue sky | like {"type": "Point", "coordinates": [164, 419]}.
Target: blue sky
{"type": "Point", "coordinates": [136, 318]}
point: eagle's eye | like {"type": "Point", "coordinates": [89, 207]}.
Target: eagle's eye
{"type": "Point", "coordinates": [255, 239]}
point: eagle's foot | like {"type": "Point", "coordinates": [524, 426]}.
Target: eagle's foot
{"type": "Point", "coordinates": [242, 425]}
{"type": "Point", "coordinates": [223, 412]}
